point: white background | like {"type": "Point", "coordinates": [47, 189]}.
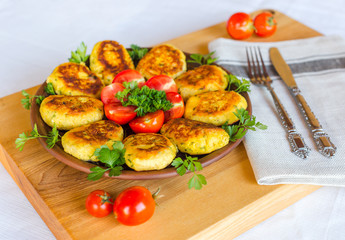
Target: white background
{"type": "Point", "coordinates": [37, 35]}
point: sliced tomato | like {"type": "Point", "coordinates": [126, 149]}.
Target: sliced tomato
{"type": "Point", "coordinates": [108, 93]}
{"type": "Point", "coordinates": [118, 113]}
{"type": "Point", "coordinates": [129, 75]}
{"type": "Point", "coordinates": [177, 110]}
{"type": "Point", "coordinates": [150, 123]}
{"type": "Point", "coordinates": [162, 83]}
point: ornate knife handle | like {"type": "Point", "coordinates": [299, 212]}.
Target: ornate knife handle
{"type": "Point", "coordinates": [321, 138]}
{"type": "Point", "coordinates": [296, 141]}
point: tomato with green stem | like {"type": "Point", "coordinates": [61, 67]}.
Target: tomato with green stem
{"type": "Point", "coordinates": [265, 24]}
{"type": "Point", "coordinates": [99, 203]}
{"type": "Point", "coordinates": [240, 26]}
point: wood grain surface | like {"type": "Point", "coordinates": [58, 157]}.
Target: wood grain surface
{"type": "Point", "coordinates": [231, 203]}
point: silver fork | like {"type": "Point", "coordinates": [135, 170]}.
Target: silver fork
{"type": "Point", "coordinates": [258, 75]}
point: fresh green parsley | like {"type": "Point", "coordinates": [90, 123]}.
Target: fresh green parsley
{"type": "Point", "coordinates": [242, 85]}
{"type": "Point", "coordinates": [246, 122]}
{"type": "Point", "coordinates": [113, 159]}
{"type": "Point", "coordinates": [79, 55]}
{"type": "Point", "coordinates": [202, 59]}
{"type": "Point", "coordinates": [137, 53]}
{"type": "Point", "coordinates": [52, 137]}
{"type": "Point", "coordinates": [146, 100]}
{"type": "Point", "coordinates": [26, 102]}
{"type": "Point", "coordinates": [191, 164]}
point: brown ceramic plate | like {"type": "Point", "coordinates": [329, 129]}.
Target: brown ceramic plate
{"type": "Point", "coordinates": [58, 152]}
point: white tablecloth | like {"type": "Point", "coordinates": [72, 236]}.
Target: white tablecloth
{"type": "Point", "coordinates": [37, 35]}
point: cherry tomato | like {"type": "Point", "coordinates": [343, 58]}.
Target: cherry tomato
{"type": "Point", "coordinates": [177, 110]}
{"type": "Point", "coordinates": [118, 113]}
{"type": "Point", "coordinates": [108, 93]}
{"type": "Point", "coordinates": [162, 83]}
{"type": "Point", "coordinates": [99, 203]}
{"type": "Point", "coordinates": [265, 24]}
{"type": "Point", "coordinates": [240, 26]}
{"type": "Point", "coordinates": [134, 206]}
{"type": "Point", "coordinates": [130, 75]}
{"type": "Point", "coordinates": [150, 123]}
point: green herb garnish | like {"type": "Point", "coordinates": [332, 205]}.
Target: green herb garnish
{"type": "Point", "coordinates": [79, 55]}
{"type": "Point", "coordinates": [202, 59]}
{"type": "Point", "coordinates": [246, 122]}
{"type": "Point", "coordinates": [191, 164]}
{"type": "Point", "coordinates": [26, 102]}
{"type": "Point", "coordinates": [52, 137]}
{"type": "Point", "coordinates": [137, 53]}
{"type": "Point", "coordinates": [112, 158]}
{"type": "Point", "coordinates": [145, 99]}
{"type": "Point", "coordinates": [242, 85]}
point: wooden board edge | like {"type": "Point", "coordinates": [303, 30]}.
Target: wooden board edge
{"type": "Point", "coordinates": [240, 222]}
{"type": "Point", "coordinates": [32, 195]}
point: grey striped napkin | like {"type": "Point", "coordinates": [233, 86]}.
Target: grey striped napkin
{"type": "Point", "coordinates": [318, 65]}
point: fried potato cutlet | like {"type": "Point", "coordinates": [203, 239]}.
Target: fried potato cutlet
{"type": "Point", "coordinates": [67, 112]}
{"type": "Point", "coordinates": [108, 58]}
{"type": "Point", "coordinates": [163, 60]}
{"type": "Point", "coordinates": [148, 151]}
{"type": "Point", "coordinates": [75, 79]}
{"type": "Point", "coordinates": [216, 107]}
{"type": "Point", "coordinates": [201, 79]}
{"type": "Point", "coordinates": [195, 137]}
{"type": "Point", "coordinates": [81, 142]}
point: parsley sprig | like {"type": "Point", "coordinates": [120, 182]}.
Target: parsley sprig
{"type": "Point", "coordinates": [79, 55]}
{"type": "Point", "coordinates": [202, 59]}
{"type": "Point", "coordinates": [242, 85]}
{"type": "Point", "coordinates": [145, 99]}
{"type": "Point", "coordinates": [52, 137]}
{"type": "Point", "coordinates": [137, 53]}
{"type": "Point", "coordinates": [191, 164]}
{"type": "Point", "coordinates": [112, 158]}
{"type": "Point", "coordinates": [246, 122]}
{"type": "Point", "coordinates": [26, 102]}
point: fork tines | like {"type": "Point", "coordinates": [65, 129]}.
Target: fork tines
{"type": "Point", "coordinates": [256, 69]}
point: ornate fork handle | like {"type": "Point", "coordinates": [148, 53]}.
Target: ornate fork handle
{"type": "Point", "coordinates": [320, 137]}
{"type": "Point", "coordinates": [296, 141]}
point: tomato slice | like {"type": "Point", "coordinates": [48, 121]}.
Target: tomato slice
{"type": "Point", "coordinates": [150, 123]}
{"type": "Point", "coordinates": [118, 113]}
{"type": "Point", "coordinates": [108, 93]}
{"type": "Point", "coordinates": [177, 110]}
{"type": "Point", "coordinates": [162, 83]}
{"type": "Point", "coordinates": [129, 75]}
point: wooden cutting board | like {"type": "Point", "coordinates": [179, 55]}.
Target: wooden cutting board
{"type": "Point", "coordinates": [231, 203]}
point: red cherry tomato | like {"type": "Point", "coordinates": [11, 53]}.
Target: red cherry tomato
{"type": "Point", "coordinates": [240, 26]}
{"type": "Point", "coordinates": [265, 24]}
{"type": "Point", "coordinates": [99, 203]}
{"type": "Point", "coordinates": [150, 123]}
{"type": "Point", "coordinates": [162, 83]}
{"type": "Point", "coordinates": [177, 110]}
{"type": "Point", "coordinates": [134, 206]}
{"type": "Point", "coordinates": [118, 113]}
{"type": "Point", "coordinates": [108, 93]}
{"type": "Point", "coordinates": [130, 75]}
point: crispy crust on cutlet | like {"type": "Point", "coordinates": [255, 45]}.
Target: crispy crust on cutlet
{"type": "Point", "coordinates": [148, 151]}
{"type": "Point", "coordinates": [67, 112]}
{"type": "Point", "coordinates": [201, 79]}
{"type": "Point", "coordinates": [163, 59]}
{"type": "Point", "coordinates": [216, 107]}
{"type": "Point", "coordinates": [195, 137]}
{"type": "Point", "coordinates": [108, 58]}
{"type": "Point", "coordinates": [75, 79]}
{"type": "Point", "coordinates": [82, 142]}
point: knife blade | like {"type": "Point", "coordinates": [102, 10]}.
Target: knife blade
{"type": "Point", "coordinates": [320, 137]}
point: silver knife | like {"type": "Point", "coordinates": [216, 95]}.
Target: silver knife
{"type": "Point", "coordinates": [321, 138]}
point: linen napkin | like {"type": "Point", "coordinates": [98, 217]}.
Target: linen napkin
{"type": "Point", "coordinates": [318, 65]}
